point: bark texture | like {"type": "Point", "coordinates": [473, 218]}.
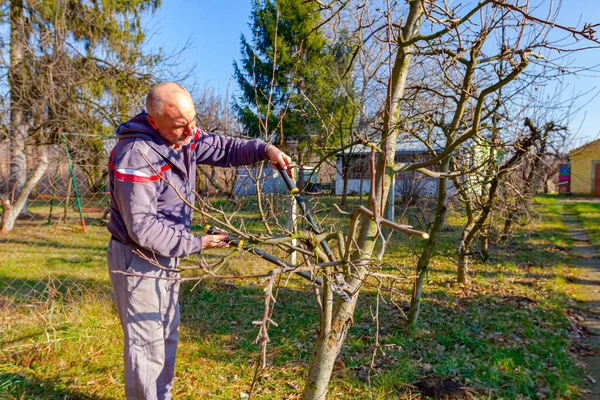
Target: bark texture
{"type": "Point", "coordinates": [429, 247]}
{"type": "Point", "coordinates": [335, 328]}
{"type": "Point", "coordinates": [18, 129]}
{"type": "Point", "coordinates": [12, 212]}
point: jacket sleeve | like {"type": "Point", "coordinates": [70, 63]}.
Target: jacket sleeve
{"type": "Point", "coordinates": [136, 187]}
{"type": "Point", "coordinates": [225, 151]}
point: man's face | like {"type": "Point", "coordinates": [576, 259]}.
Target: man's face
{"type": "Point", "coordinates": [177, 125]}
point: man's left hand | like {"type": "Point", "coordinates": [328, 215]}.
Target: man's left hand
{"type": "Point", "coordinates": [215, 241]}
{"type": "Point", "coordinates": [278, 157]}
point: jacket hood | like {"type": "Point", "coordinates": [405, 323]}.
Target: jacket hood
{"type": "Point", "coordinates": [138, 126]}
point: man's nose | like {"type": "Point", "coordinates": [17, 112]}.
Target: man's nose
{"type": "Point", "coordinates": [189, 130]}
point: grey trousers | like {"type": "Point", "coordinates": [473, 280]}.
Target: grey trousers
{"type": "Point", "coordinates": [149, 312]}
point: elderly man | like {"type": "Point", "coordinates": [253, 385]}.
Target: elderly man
{"type": "Point", "coordinates": [147, 214]}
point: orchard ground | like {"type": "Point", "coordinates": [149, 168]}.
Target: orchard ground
{"type": "Point", "coordinates": [514, 332]}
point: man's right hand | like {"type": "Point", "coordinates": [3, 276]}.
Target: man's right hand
{"type": "Point", "coordinates": [278, 157]}
{"type": "Point", "coordinates": [215, 241]}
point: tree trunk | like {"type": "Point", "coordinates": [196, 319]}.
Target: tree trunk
{"type": "Point", "coordinates": [8, 221]}
{"type": "Point", "coordinates": [462, 271]}
{"type": "Point", "coordinates": [333, 331]}
{"type": "Point", "coordinates": [464, 248]}
{"type": "Point", "coordinates": [485, 241]}
{"type": "Point", "coordinates": [415, 298]}
{"type": "Point", "coordinates": [508, 224]}
{"type": "Point", "coordinates": [327, 347]}
{"type": "Point", "coordinates": [18, 129]}
{"type": "Point", "coordinates": [427, 253]}
{"type": "Point", "coordinates": [6, 207]}
{"type": "Point", "coordinates": [345, 168]}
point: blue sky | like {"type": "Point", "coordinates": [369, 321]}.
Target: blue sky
{"type": "Point", "coordinates": [213, 28]}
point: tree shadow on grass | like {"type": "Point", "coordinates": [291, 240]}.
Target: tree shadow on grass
{"type": "Point", "coordinates": [51, 244]}
{"type": "Point", "coordinates": [217, 324]}
{"type": "Point", "coordinates": [225, 312]}
{"type": "Point", "coordinates": [15, 385]}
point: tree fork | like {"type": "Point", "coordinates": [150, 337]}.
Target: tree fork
{"type": "Point", "coordinates": [329, 343]}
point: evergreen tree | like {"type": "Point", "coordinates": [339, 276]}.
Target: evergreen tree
{"type": "Point", "coordinates": [74, 66]}
{"type": "Point", "coordinates": [281, 66]}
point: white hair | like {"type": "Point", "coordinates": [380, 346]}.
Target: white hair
{"type": "Point", "coordinates": [155, 97]}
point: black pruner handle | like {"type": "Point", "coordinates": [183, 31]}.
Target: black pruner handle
{"type": "Point", "coordinates": [289, 182]}
{"type": "Point", "coordinates": [213, 230]}
{"type": "Point", "coordinates": [237, 242]}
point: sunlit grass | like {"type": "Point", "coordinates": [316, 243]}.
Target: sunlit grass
{"type": "Point", "coordinates": [589, 214]}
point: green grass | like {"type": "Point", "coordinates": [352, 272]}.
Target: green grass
{"type": "Point", "coordinates": [589, 214]}
{"type": "Point", "coordinates": [506, 335]}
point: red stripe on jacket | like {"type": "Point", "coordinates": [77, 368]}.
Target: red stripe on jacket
{"type": "Point", "coordinates": [196, 137]}
{"type": "Point", "coordinates": [137, 179]}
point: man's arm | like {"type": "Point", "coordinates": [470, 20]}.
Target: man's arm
{"type": "Point", "coordinates": [225, 151]}
{"type": "Point", "coordinates": [135, 192]}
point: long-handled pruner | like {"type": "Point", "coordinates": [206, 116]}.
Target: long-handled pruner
{"type": "Point", "coordinates": [239, 243]}
{"type": "Point", "coordinates": [338, 285]}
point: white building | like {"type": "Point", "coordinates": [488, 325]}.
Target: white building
{"type": "Point", "coordinates": [355, 162]}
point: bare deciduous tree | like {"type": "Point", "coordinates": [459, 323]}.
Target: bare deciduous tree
{"type": "Point", "coordinates": [74, 67]}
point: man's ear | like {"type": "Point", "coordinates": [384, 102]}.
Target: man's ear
{"type": "Point", "coordinates": [152, 122]}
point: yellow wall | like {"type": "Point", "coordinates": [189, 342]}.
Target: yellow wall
{"type": "Point", "coordinates": [582, 162]}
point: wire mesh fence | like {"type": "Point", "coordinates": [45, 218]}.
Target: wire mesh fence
{"type": "Point", "coordinates": [59, 240]}
{"type": "Point", "coordinates": [57, 246]}
{"type": "Point", "coordinates": [52, 263]}
{"type": "Point", "coordinates": [60, 229]}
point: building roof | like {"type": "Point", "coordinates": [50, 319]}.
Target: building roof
{"type": "Point", "coordinates": [404, 145]}
{"type": "Point", "coordinates": [582, 148]}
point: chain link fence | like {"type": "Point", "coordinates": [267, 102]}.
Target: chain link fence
{"type": "Point", "coordinates": [51, 260]}
{"type": "Point", "coordinates": [70, 206]}
{"type": "Point", "coordinates": [57, 246]}
{"type": "Point", "coordinates": [52, 263]}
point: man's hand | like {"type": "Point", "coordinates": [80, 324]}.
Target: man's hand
{"type": "Point", "coordinates": [215, 241]}
{"type": "Point", "coordinates": [278, 157]}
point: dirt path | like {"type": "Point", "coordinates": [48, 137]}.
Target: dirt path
{"type": "Point", "coordinates": [586, 289]}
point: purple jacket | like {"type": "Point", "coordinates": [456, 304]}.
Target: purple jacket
{"type": "Point", "coordinates": [145, 211]}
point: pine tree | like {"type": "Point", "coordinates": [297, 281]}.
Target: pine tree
{"type": "Point", "coordinates": [285, 58]}
{"type": "Point", "coordinates": [74, 66]}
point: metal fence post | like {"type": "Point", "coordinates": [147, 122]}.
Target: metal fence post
{"type": "Point", "coordinates": [73, 178]}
